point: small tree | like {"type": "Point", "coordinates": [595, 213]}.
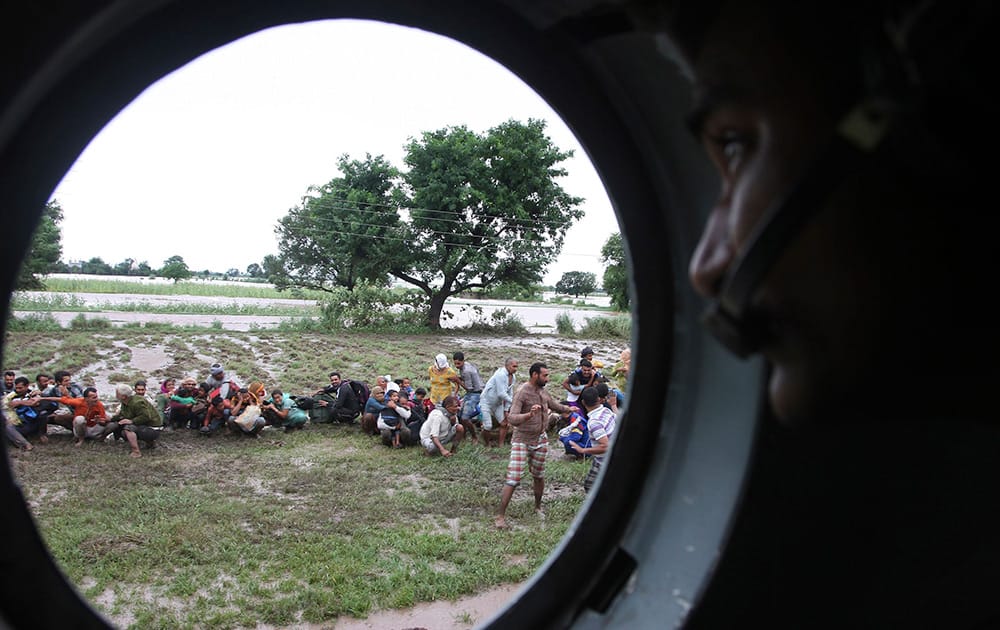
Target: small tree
{"type": "Point", "coordinates": [254, 270]}
{"type": "Point", "coordinates": [175, 268]}
{"type": "Point", "coordinates": [615, 272]}
{"type": "Point", "coordinates": [46, 248]}
{"type": "Point", "coordinates": [577, 283]}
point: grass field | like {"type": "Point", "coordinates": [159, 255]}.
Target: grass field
{"type": "Point", "coordinates": [287, 529]}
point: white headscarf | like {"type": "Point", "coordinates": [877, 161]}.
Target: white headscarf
{"type": "Point", "coordinates": [441, 361]}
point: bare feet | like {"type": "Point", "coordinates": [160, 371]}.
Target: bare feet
{"type": "Point", "coordinates": [135, 454]}
{"type": "Point", "coordinates": [43, 439]}
{"type": "Point", "coordinates": [501, 523]}
{"type": "Point", "coordinates": [27, 446]}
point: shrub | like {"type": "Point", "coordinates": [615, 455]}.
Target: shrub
{"type": "Point", "coordinates": [35, 322]}
{"type": "Point", "coordinates": [618, 326]}
{"type": "Point", "coordinates": [564, 324]}
{"type": "Point", "coordinates": [80, 322]}
{"type": "Point", "coordinates": [373, 308]}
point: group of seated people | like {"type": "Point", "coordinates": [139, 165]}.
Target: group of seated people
{"type": "Point", "coordinates": [457, 404]}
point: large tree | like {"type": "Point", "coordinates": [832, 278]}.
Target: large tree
{"type": "Point", "coordinates": [577, 283]}
{"type": "Point", "coordinates": [615, 272]}
{"type": "Point", "coordinates": [343, 232]}
{"type": "Point", "coordinates": [484, 209]}
{"type": "Point", "coordinates": [176, 269]}
{"type": "Point", "coordinates": [46, 248]}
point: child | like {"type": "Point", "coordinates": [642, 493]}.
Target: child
{"type": "Point", "coordinates": [420, 397]}
{"type": "Point", "coordinates": [576, 433]}
{"type": "Point", "coordinates": [575, 387]}
{"type": "Point", "coordinates": [601, 426]}
{"type": "Point", "coordinates": [391, 421]}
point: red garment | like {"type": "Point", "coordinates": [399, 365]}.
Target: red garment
{"type": "Point", "coordinates": [81, 408]}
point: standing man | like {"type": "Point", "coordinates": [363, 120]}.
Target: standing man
{"type": "Point", "coordinates": [530, 444]}
{"type": "Point", "coordinates": [472, 383]}
{"type": "Point", "coordinates": [135, 420]}
{"type": "Point", "coordinates": [442, 428]}
{"type": "Point", "coordinates": [495, 402]}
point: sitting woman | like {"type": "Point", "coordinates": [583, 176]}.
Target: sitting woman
{"type": "Point", "coordinates": [162, 401]}
{"type": "Point", "coordinates": [373, 409]}
{"type": "Point", "coordinates": [246, 418]}
{"type": "Point", "coordinates": [392, 422]}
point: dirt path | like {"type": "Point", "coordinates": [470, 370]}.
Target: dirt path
{"type": "Point", "coordinates": [466, 612]}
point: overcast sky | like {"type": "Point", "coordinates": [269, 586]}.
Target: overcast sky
{"type": "Point", "coordinates": [205, 161]}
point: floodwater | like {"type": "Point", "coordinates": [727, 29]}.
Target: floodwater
{"type": "Point", "coordinates": [537, 317]}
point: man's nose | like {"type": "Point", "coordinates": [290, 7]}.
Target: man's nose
{"type": "Point", "coordinates": [712, 257]}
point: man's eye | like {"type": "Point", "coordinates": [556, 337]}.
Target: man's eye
{"type": "Point", "coordinates": [731, 148]}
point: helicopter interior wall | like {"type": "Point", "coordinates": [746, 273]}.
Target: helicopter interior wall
{"type": "Point", "coordinates": [676, 473]}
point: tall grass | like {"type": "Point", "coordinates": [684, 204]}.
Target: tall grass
{"type": "Point", "coordinates": [565, 325]}
{"type": "Point", "coordinates": [251, 290]}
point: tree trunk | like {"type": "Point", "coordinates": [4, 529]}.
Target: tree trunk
{"type": "Point", "coordinates": [434, 312]}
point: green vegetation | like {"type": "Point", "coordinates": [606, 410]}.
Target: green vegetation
{"type": "Point", "coordinates": [469, 211]}
{"type": "Point", "coordinates": [247, 290]}
{"type": "Point", "coordinates": [60, 302]}
{"type": "Point", "coordinates": [564, 324]}
{"type": "Point", "coordinates": [619, 327]}
{"type": "Point", "coordinates": [232, 532]}
{"type": "Point", "coordinates": [615, 281]}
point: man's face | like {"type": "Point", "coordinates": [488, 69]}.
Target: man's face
{"type": "Point", "coordinates": [277, 398]}
{"type": "Point", "coordinates": [459, 363]}
{"type": "Point", "coordinates": [65, 381]}
{"type": "Point", "coordinates": [512, 367]}
{"type": "Point", "coordinates": [20, 389]}
{"type": "Point", "coordinates": [452, 408]}
{"type": "Point", "coordinates": [761, 123]}
{"type": "Point", "coordinates": [140, 390]}
{"type": "Point", "coordinates": [335, 380]}
{"type": "Point", "coordinates": [8, 380]}
{"type": "Point", "coordinates": [43, 382]}
{"type": "Point", "coordinates": [91, 399]}
{"type": "Point", "coordinates": [379, 396]}
{"type": "Point", "coordinates": [542, 377]}
{"type": "Point", "coordinates": [586, 371]}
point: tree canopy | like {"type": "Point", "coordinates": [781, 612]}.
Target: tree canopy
{"type": "Point", "coordinates": [577, 283]}
{"type": "Point", "coordinates": [615, 272]}
{"type": "Point", "coordinates": [471, 211]}
{"type": "Point", "coordinates": [46, 248]}
{"type": "Point", "coordinates": [175, 268]}
{"type": "Point", "coordinates": [343, 232]}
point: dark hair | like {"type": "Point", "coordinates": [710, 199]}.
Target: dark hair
{"type": "Point", "coordinates": [589, 396]}
{"type": "Point", "coordinates": [458, 356]}
{"type": "Point", "coordinates": [420, 391]}
{"type": "Point", "coordinates": [276, 391]}
{"type": "Point", "coordinates": [141, 381]}
{"type": "Point", "coordinates": [337, 374]}
{"type": "Point", "coordinates": [22, 380]}
{"type": "Point", "coordinates": [40, 375]}
{"type": "Point", "coordinates": [88, 390]}
{"type": "Point", "coordinates": [398, 381]}
{"type": "Point", "coordinates": [217, 400]}
{"type": "Point", "coordinates": [60, 375]}
{"type": "Point", "coordinates": [602, 390]}
{"type": "Point", "coordinates": [9, 373]}
{"type": "Point", "coordinates": [244, 390]}
{"type": "Point", "coordinates": [574, 378]}
{"type": "Point", "coordinates": [536, 368]}
{"type": "Point", "coordinates": [586, 363]}
{"type": "Point", "coordinates": [449, 400]}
